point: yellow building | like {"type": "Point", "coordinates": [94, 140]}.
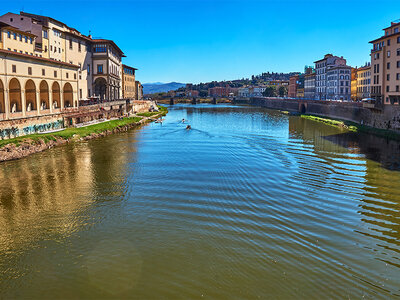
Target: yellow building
{"type": "Point", "coordinates": [31, 85]}
{"type": "Point", "coordinates": [364, 82]}
{"type": "Point", "coordinates": [128, 82]}
{"type": "Point", "coordinates": [353, 84]}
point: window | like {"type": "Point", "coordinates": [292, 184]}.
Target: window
{"type": "Point", "coordinates": [70, 44]}
{"type": "Point", "coordinates": [51, 48]}
{"type": "Point", "coordinates": [88, 93]}
{"type": "Point", "coordinates": [398, 52]}
{"type": "Point", "coordinates": [15, 36]}
{"type": "Point", "coordinates": [43, 72]}
{"type": "Point", "coordinates": [79, 46]}
{"type": "Point", "coordinates": [397, 88]}
{"type": "Point", "coordinates": [80, 93]}
{"type": "Point", "coordinates": [9, 34]}
{"type": "Point", "coordinates": [14, 68]}
{"type": "Point", "coordinates": [388, 42]}
{"type": "Point", "coordinates": [55, 73]}
{"type": "Point", "coordinates": [388, 65]}
{"type": "Point", "coordinates": [99, 69]}
{"type": "Point", "coordinates": [45, 34]}
{"type": "Point", "coordinates": [388, 77]}
{"type": "Point", "coordinates": [74, 75]}
{"type": "Point", "coordinates": [388, 54]}
{"type": "Point", "coordinates": [20, 37]}
{"type": "Point", "coordinates": [398, 40]}
{"type": "Point", "coordinates": [88, 69]}
{"type": "Point", "coordinates": [29, 70]}
{"type": "Point", "coordinates": [66, 75]}
{"type": "Point", "coordinates": [396, 30]}
{"type": "Point", "coordinates": [31, 40]}
{"type": "Point", "coordinates": [59, 50]}
{"type": "Point", "coordinates": [387, 88]}
{"type": "Point", "coordinates": [55, 49]}
{"type": "Point", "coordinates": [26, 39]}
{"type": "Point", "coordinates": [45, 48]}
{"type": "Point", "coordinates": [100, 48]}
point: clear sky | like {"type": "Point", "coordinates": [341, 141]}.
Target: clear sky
{"type": "Point", "coordinates": [204, 40]}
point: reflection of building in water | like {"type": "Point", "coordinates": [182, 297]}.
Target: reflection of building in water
{"type": "Point", "coordinates": [49, 193]}
{"type": "Point", "coordinates": [379, 194]}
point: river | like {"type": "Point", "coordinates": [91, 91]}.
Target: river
{"type": "Point", "coordinates": [250, 203]}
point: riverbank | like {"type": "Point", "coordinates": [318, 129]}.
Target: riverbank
{"type": "Point", "coordinates": [20, 147]}
{"type": "Point", "coordinates": [354, 127]}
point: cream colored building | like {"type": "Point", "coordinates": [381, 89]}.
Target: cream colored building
{"type": "Point", "coordinates": [363, 82]}
{"type": "Point", "coordinates": [99, 60]}
{"type": "Point", "coordinates": [128, 82]}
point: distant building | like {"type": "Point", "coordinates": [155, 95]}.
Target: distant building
{"type": "Point", "coordinates": [309, 84]}
{"type": "Point", "coordinates": [293, 86]}
{"type": "Point", "coordinates": [244, 92]}
{"type": "Point", "coordinates": [332, 78]}
{"type": "Point", "coordinates": [353, 90]}
{"type": "Point", "coordinates": [219, 91]}
{"type": "Point", "coordinates": [139, 91]}
{"type": "Point", "coordinates": [192, 93]}
{"type": "Point", "coordinates": [385, 66]}
{"type": "Point", "coordinates": [364, 82]}
{"type": "Point", "coordinates": [128, 82]}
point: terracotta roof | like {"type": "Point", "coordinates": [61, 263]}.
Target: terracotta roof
{"type": "Point", "coordinates": [38, 58]}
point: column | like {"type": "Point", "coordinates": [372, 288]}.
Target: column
{"type": "Point", "coordinates": [23, 101]}
{"type": "Point", "coordinates": [38, 111]}
{"type": "Point", "coordinates": [7, 102]}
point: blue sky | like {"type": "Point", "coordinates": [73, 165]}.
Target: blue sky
{"type": "Point", "coordinates": [204, 40]}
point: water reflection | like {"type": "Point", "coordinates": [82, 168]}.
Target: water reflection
{"type": "Point", "coordinates": [49, 196]}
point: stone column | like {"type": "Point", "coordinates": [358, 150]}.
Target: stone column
{"type": "Point", "coordinates": [51, 100]}
{"type": "Point", "coordinates": [38, 111]}
{"type": "Point", "coordinates": [23, 101]}
{"type": "Point", "coordinates": [7, 103]}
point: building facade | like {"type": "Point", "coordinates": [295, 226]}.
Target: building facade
{"type": "Point", "coordinates": [364, 82]}
{"type": "Point", "coordinates": [99, 60]}
{"type": "Point", "coordinates": [128, 82]}
{"type": "Point", "coordinates": [293, 86]}
{"type": "Point", "coordinates": [332, 78]}
{"type": "Point", "coordinates": [309, 86]}
{"type": "Point", "coordinates": [385, 66]}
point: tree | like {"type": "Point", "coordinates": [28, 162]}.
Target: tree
{"type": "Point", "coordinates": [282, 91]}
{"type": "Point", "coordinates": [270, 91]}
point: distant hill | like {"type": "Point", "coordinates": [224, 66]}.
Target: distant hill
{"type": "Point", "coordinates": [158, 87]}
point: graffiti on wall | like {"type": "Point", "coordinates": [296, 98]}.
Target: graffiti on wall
{"type": "Point", "coordinates": [15, 132]}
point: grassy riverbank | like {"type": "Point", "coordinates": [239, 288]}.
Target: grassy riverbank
{"type": "Point", "coordinates": [354, 127]}
{"type": "Point", "coordinates": [155, 114]}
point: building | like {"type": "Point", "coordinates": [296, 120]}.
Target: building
{"type": "Point", "coordinates": [219, 91]}
{"type": "Point", "coordinates": [139, 91]}
{"type": "Point", "coordinates": [353, 84]}
{"type": "Point", "coordinates": [309, 84]}
{"type": "Point", "coordinates": [192, 93]}
{"type": "Point", "coordinates": [364, 82]}
{"type": "Point", "coordinates": [293, 86]}
{"type": "Point", "coordinates": [385, 66]}
{"type": "Point", "coordinates": [332, 78]}
{"type": "Point", "coordinates": [30, 85]}
{"type": "Point", "coordinates": [128, 82]}
{"type": "Point", "coordinates": [244, 92]}
{"type": "Point", "coordinates": [99, 60]}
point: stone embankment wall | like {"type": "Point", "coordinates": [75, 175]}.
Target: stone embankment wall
{"type": "Point", "coordinates": [386, 118]}
{"type": "Point", "coordinates": [24, 126]}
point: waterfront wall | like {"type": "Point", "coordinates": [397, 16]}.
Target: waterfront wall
{"type": "Point", "coordinates": [385, 118]}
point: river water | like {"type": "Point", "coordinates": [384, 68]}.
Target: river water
{"type": "Point", "coordinates": [250, 203]}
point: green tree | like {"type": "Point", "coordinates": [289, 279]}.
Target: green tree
{"type": "Point", "coordinates": [270, 91]}
{"type": "Point", "coordinates": [282, 91]}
